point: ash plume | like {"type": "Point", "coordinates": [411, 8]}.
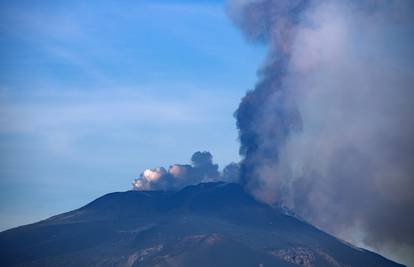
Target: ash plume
{"type": "Point", "coordinates": [201, 169]}
{"type": "Point", "coordinates": [328, 129]}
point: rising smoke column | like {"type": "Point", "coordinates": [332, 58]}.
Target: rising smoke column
{"type": "Point", "coordinates": [267, 115]}
{"type": "Point", "coordinates": [329, 128]}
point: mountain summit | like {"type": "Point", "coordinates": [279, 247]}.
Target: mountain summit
{"type": "Point", "coordinates": [210, 224]}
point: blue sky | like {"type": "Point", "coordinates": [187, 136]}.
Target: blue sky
{"type": "Point", "coordinates": [93, 92]}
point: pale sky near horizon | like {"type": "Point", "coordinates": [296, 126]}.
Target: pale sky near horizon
{"type": "Point", "coordinates": [92, 93]}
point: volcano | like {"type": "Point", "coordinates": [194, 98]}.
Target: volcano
{"type": "Point", "coordinates": [210, 224]}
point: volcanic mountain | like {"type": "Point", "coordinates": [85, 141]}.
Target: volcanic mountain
{"type": "Point", "coordinates": [210, 224]}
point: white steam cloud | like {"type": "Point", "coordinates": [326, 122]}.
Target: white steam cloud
{"type": "Point", "coordinates": [178, 176]}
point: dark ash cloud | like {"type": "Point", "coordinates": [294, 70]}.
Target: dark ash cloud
{"type": "Point", "coordinates": [328, 129]}
{"type": "Point", "coordinates": [201, 169]}
{"type": "Point", "coordinates": [231, 173]}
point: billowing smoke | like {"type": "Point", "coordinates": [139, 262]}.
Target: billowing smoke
{"type": "Point", "coordinates": [201, 169]}
{"type": "Point", "coordinates": [329, 128]}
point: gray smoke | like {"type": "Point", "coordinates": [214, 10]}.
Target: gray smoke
{"type": "Point", "coordinates": [201, 169]}
{"type": "Point", "coordinates": [231, 173]}
{"type": "Point", "coordinates": [329, 128]}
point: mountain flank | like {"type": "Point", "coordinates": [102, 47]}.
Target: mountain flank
{"type": "Point", "coordinates": [210, 224]}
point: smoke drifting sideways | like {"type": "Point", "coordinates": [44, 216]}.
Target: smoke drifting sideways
{"type": "Point", "coordinates": [328, 129]}
{"type": "Point", "coordinates": [201, 169]}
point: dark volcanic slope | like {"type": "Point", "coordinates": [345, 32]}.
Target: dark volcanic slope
{"type": "Point", "coordinates": [213, 224]}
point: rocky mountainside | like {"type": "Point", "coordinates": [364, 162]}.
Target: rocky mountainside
{"type": "Point", "coordinates": [210, 224]}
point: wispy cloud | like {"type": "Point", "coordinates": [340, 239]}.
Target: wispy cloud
{"type": "Point", "coordinates": [61, 116]}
